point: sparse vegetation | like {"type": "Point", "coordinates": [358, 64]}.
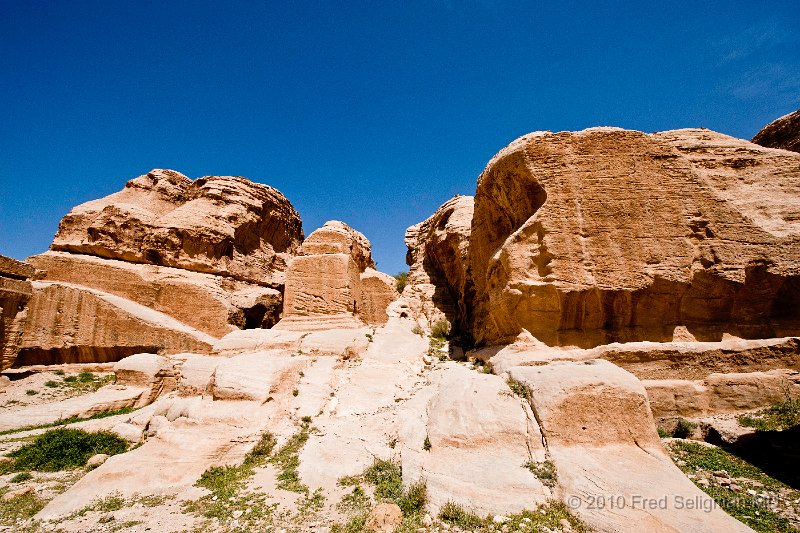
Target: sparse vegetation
{"type": "Point", "coordinates": [440, 330]}
{"type": "Point", "coordinates": [683, 429]}
{"type": "Point", "coordinates": [287, 460]}
{"type": "Point", "coordinates": [517, 387]}
{"type": "Point", "coordinates": [663, 433]}
{"type": "Point", "coordinates": [401, 281]}
{"type": "Point", "coordinates": [756, 495]}
{"type": "Point", "coordinates": [22, 476]}
{"type": "Point", "coordinates": [18, 508]}
{"type": "Point", "coordinates": [31, 392]}
{"type": "Point", "coordinates": [369, 337]}
{"type": "Point", "coordinates": [426, 445]}
{"type": "Point", "coordinates": [295, 392]}
{"type": "Point", "coordinates": [70, 420]}
{"type": "Point", "coordinates": [62, 449]}
{"type": "Point", "coordinates": [455, 515]}
{"type": "Point", "coordinates": [545, 471]}
{"type": "Point", "coordinates": [779, 417]}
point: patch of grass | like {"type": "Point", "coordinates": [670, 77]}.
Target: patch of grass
{"type": "Point", "coordinates": [416, 330]}
{"type": "Point", "coordinates": [546, 517]}
{"type": "Point", "coordinates": [455, 515]}
{"type": "Point", "coordinates": [711, 458]}
{"type": "Point", "coordinates": [518, 388]}
{"type": "Point", "coordinates": [70, 420]}
{"type": "Point", "coordinates": [750, 511]}
{"type": "Point", "coordinates": [356, 501]}
{"type": "Point", "coordinates": [779, 417]}
{"type": "Point", "coordinates": [663, 433]}
{"type": "Point", "coordinates": [683, 429]}
{"type": "Point", "coordinates": [58, 372]}
{"type": "Point", "coordinates": [545, 471]}
{"type": "Point", "coordinates": [21, 507]}
{"type": "Point", "coordinates": [64, 448]}
{"type": "Point", "coordinates": [387, 478]}
{"type": "Point", "coordinates": [52, 384]}
{"type": "Point", "coordinates": [31, 392]}
{"type": "Point", "coordinates": [287, 460]}
{"type": "Point", "coordinates": [22, 476]}
{"type": "Point", "coordinates": [109, 504]}
{"type": "Point", "coordinates": [401, 281]}
{"type": "Point", "coordinates": [440, 330]}
{"type": "Point", "coordinates": [260, 453]}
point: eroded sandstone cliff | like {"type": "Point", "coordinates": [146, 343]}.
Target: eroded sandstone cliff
{"type": "Point", "coordinates": [781, 133]}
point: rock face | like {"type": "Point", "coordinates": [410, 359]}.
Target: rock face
{"type": "Point", "coordinates": [74, 324]}
{"type": "Point", "coordinates": [612, 235]}
{"type": "Point", "coordinates": [216, 224]}
{"type": "Point", "coordinates": [437, 257]}
{"type": "Point", "coordinates": [215, 305]}
{"type": "Point", "coordinates": [15, 291]}
{"type": "Point", "coordinates": [324, 286]}
{"type": "Point", "coordinates": [781, 133]}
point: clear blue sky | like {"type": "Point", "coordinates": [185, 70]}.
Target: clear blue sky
{"type": "Point", "coordinates": [373, 113]}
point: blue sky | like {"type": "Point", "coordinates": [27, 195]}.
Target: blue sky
{"type": "Point", "coordinates": [373, 113]}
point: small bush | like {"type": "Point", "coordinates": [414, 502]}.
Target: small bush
{"type": "Point", "coordinates": [58, 372]}
{"type": "Point", "coordinates": [414, 498]}
{"type": "Point", "coordinates": [402, 281]}
{"type": "Point", "coordinates": [683, 429]}
{"type": "Point", "coordinates": [416, 330]}
{"type": "Point", "coordinates": [63, 448]}
{"type": "Point", "coordinates": [52, 384]}
{"type": "Point", "coordinates": [22, 476]}
{"type": "Point", "coordinates": [387, 478]}
{"type": "Point", "coordinates": [31, 392]}
{"type": "Point", "coordinates": [261, 452]}
{"type": "Point", "coordinates": [545, 471]}
{"type": "Point", "coordinates": [426, 445]}
{"type": "Point", "coordinates": [441, 329]}
{"type": "Point", "coordinates": [517, 387]}
{"type": "Point", "coordinates": [455, 515]}
{"type": "Point", "coordinates": [295, 392]}
{"type": "Point", "coordinates": [86, 377]}
{"type": "Point", "coordinates": [663, 433]}
{"type": "Point", "coordinates": [71, 379]}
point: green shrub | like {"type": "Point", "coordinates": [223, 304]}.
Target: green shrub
{"type": "Point", "coordinates": [545, 471]}
{"type": "Point", "coordinates": [31, 392]}
{"type": "Point", "coordinates": [683, 429]}
{"type": "Point", "coordinates": [22, 476]}
{"type": "Point", "coordinates": [441, 329]}
{"type": "Point", "coordinates": [402, 281]}
{"type": "Point", "coordinates": [426, 445]}
{"type": "Point", "coordinates": [52, 384]}
{"type": "Point", "coordinates": [663, 433]}
{"type": "Point", "coordinates": [414, 498]}
{"type": "Point", "coordinates": [455, 515]}
{"type": "Point", "coordinates": [387, 478]}
{"type": "Point", "coordinates": [86, 377]}
{"type": "Point", "coordinates": [63, 448]}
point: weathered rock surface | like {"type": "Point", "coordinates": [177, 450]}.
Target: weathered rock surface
{"type": "Point", "coordinates": [216, 224]}
{"type": "Point", "coordinates": [71, 324]}
{"type": "Point", "coordinates": [601, 235]}
{"type": "Point", "coordinates": [332, 283]}
{"type": "Point", "coordinates": [15, 291]}
{"type": "Point", "coordinates": [215, 305]}
{"type": "Point", "coordinates": [437, 257]}
{"type": "Point", "coordinates": [781, 133]}
{"type": "Point", "coordinates": [600, 435]}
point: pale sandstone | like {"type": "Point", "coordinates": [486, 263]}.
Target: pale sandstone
{"type": "Point", "coordinates": [255, 376]}
{"type": "Point", "coordinates": [606, 234]}
{"type": "Point", "coordinates": [783, 133]}
{"type": "Point", "coordinates": [69, 324]}
{"type": "Point", "coordinates": [480, 436]}
{"type": "Point", "coordinates": [216, 224]}
{"type": "Point", "coordinates": [213, 304]}
{"type": "Point", "coordinates": [15, 291]}
{"type": "Point", "coordinates": [600, 435]}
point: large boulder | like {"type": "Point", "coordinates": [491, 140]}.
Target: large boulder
{"type": "Point", "coordinates": [781, 133]}
{"type": "Point", "coordinates": [216, 224]}
{"type": "Point", "coordinates": [613, 235]}
{"type": "Point", "coordinates": [333, 283]}
{"type": "Point", "coordinates": [437, 257]}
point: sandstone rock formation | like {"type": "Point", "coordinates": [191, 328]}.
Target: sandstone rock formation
{"type": "Point", "coordinates": [781, 133]}
{"type": "Point", "coordinates": [606, 234]}
{"type": "Point", "coordinates": [213, 304]}
{"type": "Point", "coordinates": [332, 283]}
{"type": "Point", "coordinates": [74, 324]}
{"type": "Point", "coordinates": [15, 291]}
{"type": "Point", "coordinates": [437, 257]}
{"type": "Point", "coordinates": [216, 224]}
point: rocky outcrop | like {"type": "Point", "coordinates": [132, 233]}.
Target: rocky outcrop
{"type": "Point", "coordinates": [612, 235]}
{"type": "Point", "coordinates": [73, 324]}
{"type": "Point", "coordinates": [602, 440]}
{"type": "Point", "coordinates": [15, 291]}
{"type": "Point", "coordinates": [215, 305]}
{"type": "Point", "coordinates": [221, 225]}
{"type": "Point", "coordinates": [324, 282]}
{"type": "Point", "coordinates": [378, 290]}
{"type": "Point", "coordinates": [437, 257]}
{"type": "Point", "coordinates": [781, 133]}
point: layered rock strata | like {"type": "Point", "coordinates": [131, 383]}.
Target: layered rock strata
{"type": "Point", "coordinates": [15, 291]}
{"type": "Point", "coordinates": [223, 225]}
